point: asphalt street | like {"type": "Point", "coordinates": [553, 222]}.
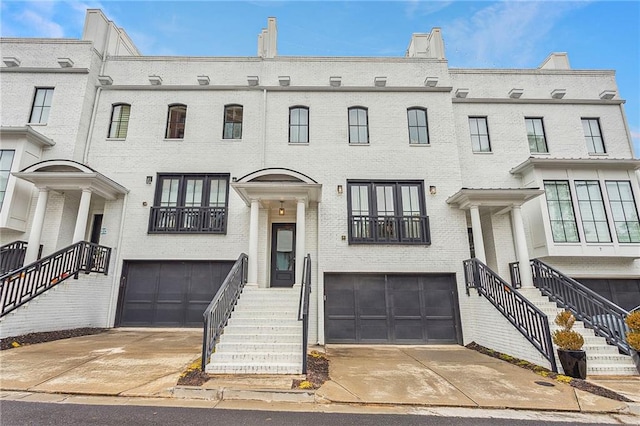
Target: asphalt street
{"type": "Point", "coordinates": [18, 413]}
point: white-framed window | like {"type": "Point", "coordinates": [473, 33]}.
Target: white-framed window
{"type": "Point", "coordinates": [6, 160]}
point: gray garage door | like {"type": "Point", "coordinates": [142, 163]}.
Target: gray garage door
{"type": "Point", "coordinates": [168, 293]}
{"type": "Point", "coordinates": [623, 292]}
{"type": "Point", "coordinates": [391, 308]}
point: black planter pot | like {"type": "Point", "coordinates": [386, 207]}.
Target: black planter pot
{"type": "Point", "coordinates": [574, 363]}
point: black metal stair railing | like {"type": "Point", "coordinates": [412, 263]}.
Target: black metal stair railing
{"type": "Point", "coordinates": [12, 256]}
{"type": "Point", "coordinates": [219, 310]}
{"type": "Point", "coordinates": [605, 317]}
{"type": "Point", "coordinates": [530, 321]}
{"type": "Point", "coordinates": [22, 285]}
{"type": "Point", "coordinates": [303, 308]}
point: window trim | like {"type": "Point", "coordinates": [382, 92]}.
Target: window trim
{"type": "Point", "coordinates": [366, 111]}
{"type": "Point", "coordinates": [575, 218]}
{"type": "Point", "coordinates": [586, 137]}
{"type": "Point", "coordinates": [426, 126]}
{"type": "Point", "coordinates": [295, 107]}
{"type": "Point", "coordinates": [544, 135]}
{"type": "Point", "coordinates": [374, 238]}
{"type": "Point", "coordinates": [181, 208]}
{"type": "Point", "coordinates": [635, 206]}
{"type": "Point", "coordinates": [224, 121]}
{"type": "Point", "coordinates": [3, 191]}
{"type": "Point", "coordinates": [471, 134]}
{"type": "Point", "coordinates": [169, 128]}
{"type": "Point", "coordinates": [33, 106]}
{"type": "Point", "coordinates": [119, 121]}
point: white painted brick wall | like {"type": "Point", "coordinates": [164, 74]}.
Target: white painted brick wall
{"type": "Point", "coordinates": [70, 304]}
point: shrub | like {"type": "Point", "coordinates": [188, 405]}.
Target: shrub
{"type": "Point", "coordinates": [566, 338]}
{"type": "Point", "coordinates": [633, 336]}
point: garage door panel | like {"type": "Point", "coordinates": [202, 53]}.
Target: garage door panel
{"type": "Point", "coordinates": [623, 292]}
{"type": "Point", "coordinates": [391, 308]}
{"type": "Point", "coordinates": [169, 293]}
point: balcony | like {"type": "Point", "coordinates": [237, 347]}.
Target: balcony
{"type": "Point", "coordinates": [389, 230]}
{"type": "Point", "coordinates": [188, 220]}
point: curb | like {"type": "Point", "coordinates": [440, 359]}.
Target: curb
{"type": "Point", "coordinates": [229, 394]}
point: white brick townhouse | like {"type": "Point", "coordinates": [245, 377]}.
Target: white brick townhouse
{"type": "Point", "coordinates": [389, 172]}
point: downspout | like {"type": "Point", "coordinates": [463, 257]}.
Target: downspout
{"type": "Point", "coordinates": [87, 145]}
{"type": "Point", "coordinates": [264, 128]}
{"type": "Point", "coordinates": [115, 288]}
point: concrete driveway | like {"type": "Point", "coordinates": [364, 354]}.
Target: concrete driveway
{"type": "Point", "coordinates": [446, 376]}
{"type": "Point", "coordinates": [124, 362]}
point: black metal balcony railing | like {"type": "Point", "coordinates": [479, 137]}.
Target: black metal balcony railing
{"type": "Point", "coordinates": [530, 321]}
{"type": "Point", "coordinates": [514, 271]}
{"type": "Point", "coordinates": [188, 220]}
{"type": "Point", "coordinates": [389, 229]}
{"type": "Point", "coordinates": [219, 310]}
{"type": "Point", "coordinates": [22, 285]}
{"type": "Point", "coordinates": [303, 308]}
{"type": "Point", "coordinates": [605, 317]}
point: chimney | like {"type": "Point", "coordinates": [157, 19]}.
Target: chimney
{"type": "Point", "coordinates": [268, 39]}
{"type": "Point", "coordinates": [556, 61]}
{"type": "Point", "coordinates": [426, 45]}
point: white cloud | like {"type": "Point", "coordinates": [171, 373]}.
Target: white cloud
{"type": "Point", "coordinates": [423, 8]}
{"type": "Point", "coordinates": [42, 25]}
{"type": "Point", "coordinates": [503, 33]}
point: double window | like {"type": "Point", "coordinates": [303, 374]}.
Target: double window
{"type": "Point", "coordinates": [232, 122]}
{"type": "Point", "coordinates": [388, 212]}
{"type": "Point", "coordinates": [119, 121]}
{"type": "Point", "coordinates": [6, 159]}
{"type": "Point", "coordinates": [417, 119]}
{"type": "Point", "coordinates": [593, 136]}
{"type": "Point", "coordinates": [41, 105]}
{"type": "Point", "coordinates": [479, 134]}
{"type": "Point", "coordinates": [535, 135]}
{"type": "Point", "coordinates": [298, 124]}
{"type": "Point", "coordinates": [591, 203]}
{"type": "Point", "coordinates": [190, 203]}
{"type": "Point", "coordinates": [176, 120]}
{"type": "Point", "coordinates": [358, 126]}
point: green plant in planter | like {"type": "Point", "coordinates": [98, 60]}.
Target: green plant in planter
{"type": "Point", "coordinates": [566, 338]}
{"type": "Point", "coordinates": [570, 342]}
{"type": "Point", "coordinates": [633, 336]}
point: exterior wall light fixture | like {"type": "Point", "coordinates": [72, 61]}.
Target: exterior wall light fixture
{"type": "Point", "coordinates": [281, 209]}
{"type": "Point", "coordinates": [432, 190]}
{"type": "Point", "coordinates": [339, 189]}
{"type": "Point", "coordinates": [149, 180]}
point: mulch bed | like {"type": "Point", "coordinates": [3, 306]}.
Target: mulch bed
{"type": "Point", "coordinates": [576, 383]}
{"type": "Point", "coordinates": [47, 336]}
{"type": "Point", "coordinates": [317, 371]}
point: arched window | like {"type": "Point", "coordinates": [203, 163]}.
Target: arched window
{"type": "Point", "coordinates": [418, 132]}
{"type": "Point", "coordinates": [176, 120]}
{"type": "Point", "coordinates": [358, 126]}
{"type": "Point", "coordinates": [232, 122]}
{"type": "Point", "coordinates": [298, 124]}
{"type": "Point", "coordinates": [119, 121]}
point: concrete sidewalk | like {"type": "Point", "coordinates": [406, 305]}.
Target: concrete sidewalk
{"type": "Point", "coordinates": [138, 363]}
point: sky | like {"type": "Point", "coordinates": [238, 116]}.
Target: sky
{"type": "Point", "coordinates": [477, 34]}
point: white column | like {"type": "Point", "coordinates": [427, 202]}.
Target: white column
{"type": "Point", "coordinates": [476, 228]}
{"type": "Point", "coordinates": [522, 252]}
{"type": "Point", "coordinates": [33, 246]}
{"type": "Point", "coordinates": [300, 239]}
{"type": "Point", "coordinates": [252, 267]}
{"type": "Point", "coordinates": [83, 214]}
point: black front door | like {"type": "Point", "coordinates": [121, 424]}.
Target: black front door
{"type": "Point", "coordinates": [283, 254]}
{"type": "Point", "coordinates": [96, 229]}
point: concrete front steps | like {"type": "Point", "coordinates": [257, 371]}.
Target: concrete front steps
{"type": "Point", "coordinates": [602, 359]}
{"type": "Point", "coordinates": [263, 335]}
